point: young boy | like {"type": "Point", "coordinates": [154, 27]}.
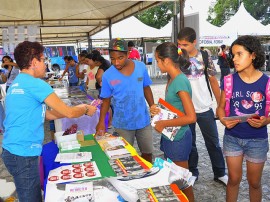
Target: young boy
{"type": "Point", "coordinates": [127, 82]}
{"type": "Point", "coordinates": [202, 101]}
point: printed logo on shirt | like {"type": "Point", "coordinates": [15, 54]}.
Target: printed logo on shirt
{"type": "Point", "coordinates": [91, 76]}
{"type": "Point", "coordinates": [140, 78]}
{"type": "Point", "coordinates": [195, 70]}
{"type": "Point", "coordinates": [71, 73]}
{"type": "Point", "coordinates": [247, 101]}
{"type": "Point", "coordinates": [36, 146]}
{"type": "Point", "coordinates": [115, 82]}
{"type": "Point", "coordinates": [43, 112]}
{"type": "Point", "coordinates": [257, 97]}
{"type": "Point", "coordinates": [15, 85]}
{"type": "Point", "coordinates": [17, 91]}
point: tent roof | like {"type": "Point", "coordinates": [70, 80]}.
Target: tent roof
{"type": "Point", "coordinates": [68, 21]}
{"type": "Point", "coordinates": [129, 28]}
{"type": "Point", "coordinates": [245, 24]}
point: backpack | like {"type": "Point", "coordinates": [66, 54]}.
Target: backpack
{"type": "Point", "coordinates": [228, 88]}
{"type": "Point", "coordinates": [206, 64]}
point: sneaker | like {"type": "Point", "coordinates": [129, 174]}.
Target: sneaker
{"type": "Point", "coordinates": [223, 180]}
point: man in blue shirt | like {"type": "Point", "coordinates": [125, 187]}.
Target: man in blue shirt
{"type": "Point", "coordinates": [127, 84]}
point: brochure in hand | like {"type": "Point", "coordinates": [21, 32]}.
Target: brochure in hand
{"type": "Point", "coordinates": [167, 112]}
{"type": "Point", "coordinates": [243, 117]}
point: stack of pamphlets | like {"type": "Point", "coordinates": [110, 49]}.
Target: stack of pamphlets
{"type": "Point", "coordinates": [162, 193]}
{"type": "Point", "coordinates": [71, 146]}
{"type": "Point", "coordinates": [73, 157]}
{"type": "Point", "coordinates": [113, 146]}
{"type": "Point", "coordinates": [129, 166]}
{"type": "Point", "coordinates": [167, 112]}
{"type": "Point", "coordinates": [116, 152]}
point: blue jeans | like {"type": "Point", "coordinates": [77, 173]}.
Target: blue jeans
{"type": "Point", "coordinates": [25, 172]}
{"type": "Point", "coordinates": [209, 131]}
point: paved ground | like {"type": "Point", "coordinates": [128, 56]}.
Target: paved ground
{"type": "Point", "coordinates": [205, 189]}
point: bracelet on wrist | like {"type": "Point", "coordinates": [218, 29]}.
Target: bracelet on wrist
{"type": "Point", "coordinates": [86, 110]}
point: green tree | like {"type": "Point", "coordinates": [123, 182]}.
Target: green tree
{"type": "Point", "coordinates": [222, 11]}
{"type": "Point", "coordinates": [157, 16]}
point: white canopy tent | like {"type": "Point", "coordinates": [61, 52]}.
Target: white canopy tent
{"type": "Point", "coordinates": [209, 34]}
{"type": "Point", "coordinates": [129, 28]}
{"type": "Point", "coordinates": [67, 21]}
{"type": "Point", "coordinates": [244, 24]}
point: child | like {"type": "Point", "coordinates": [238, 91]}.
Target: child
{"type": "Point", "coordinates": [178, 93]}
{"type": "Point", "coordinates": [202, 76]}
{"type": "Point", "coordinates": [126, 84]}
{"type": "Point", "coordinates": [246, 139]}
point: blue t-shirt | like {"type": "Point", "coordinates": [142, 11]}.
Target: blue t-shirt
{"type": "Point", "coordinates": [25, 115]}
{"type": "Point", "coordinates": [247, 99]}
{"type": "Point", "coordinates": [72, 78]}
{"type": "Point", "coordinates": [127, 92]}
{"type": "Point", "coordinates": [180, 83]}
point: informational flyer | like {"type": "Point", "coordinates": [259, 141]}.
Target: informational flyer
{"type": "Point", "coordinates": [76, 172]}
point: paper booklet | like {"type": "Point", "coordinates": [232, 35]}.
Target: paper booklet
{"type": "Point", "coordinates": [167, 112]}
{"type": "Point", "coordinates": [162, 193]}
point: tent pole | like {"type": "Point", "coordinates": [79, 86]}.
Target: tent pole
{"type": "Point", "coordinates": [175, 22]}
{"type": "Point", "coordinates": [182, 5]}
{"type": "Point", "coordinates": [110, 29]}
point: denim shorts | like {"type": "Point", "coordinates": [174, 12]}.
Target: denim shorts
{"type": "Point", "coordinates": [177, 150]}
{"type": "Point", "coordinates": [253, 150]}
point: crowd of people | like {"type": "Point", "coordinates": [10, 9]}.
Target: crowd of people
{"type": "Point", "coordinates": [124, 86]}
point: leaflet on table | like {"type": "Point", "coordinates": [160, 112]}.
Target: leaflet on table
{"type": "Point", "coordinates": [116, 152]}
{"type": "Point", "coordinates": [243, 117]}
{"type": "Point", "coordinates": [76, 172]}
{"type": "Point", "coordinates": [73, 157]}
{"type": "Point", "coordinates": [129, 166]}
{"type": "Point", "coordinates": [128, 189]}
{"type": "Point", "coordinates": [167, 112]}
{"type": "Point", "coordinates": [109, 141]}
{"type": "Point", "coordinates": [57, 192]}
{"type": "Point", "coordinates": [79, 192]}
{"type": "Point", "coordinates": [162, 193]}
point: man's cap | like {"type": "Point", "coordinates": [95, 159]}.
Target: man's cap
{"type": "Point", "coordinates": [118, 44]}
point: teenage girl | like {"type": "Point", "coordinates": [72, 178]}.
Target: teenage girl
{"type": "Point", "coordinates": [248, 139]}
{"type": "Point", "coordinates": [178, 93]}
